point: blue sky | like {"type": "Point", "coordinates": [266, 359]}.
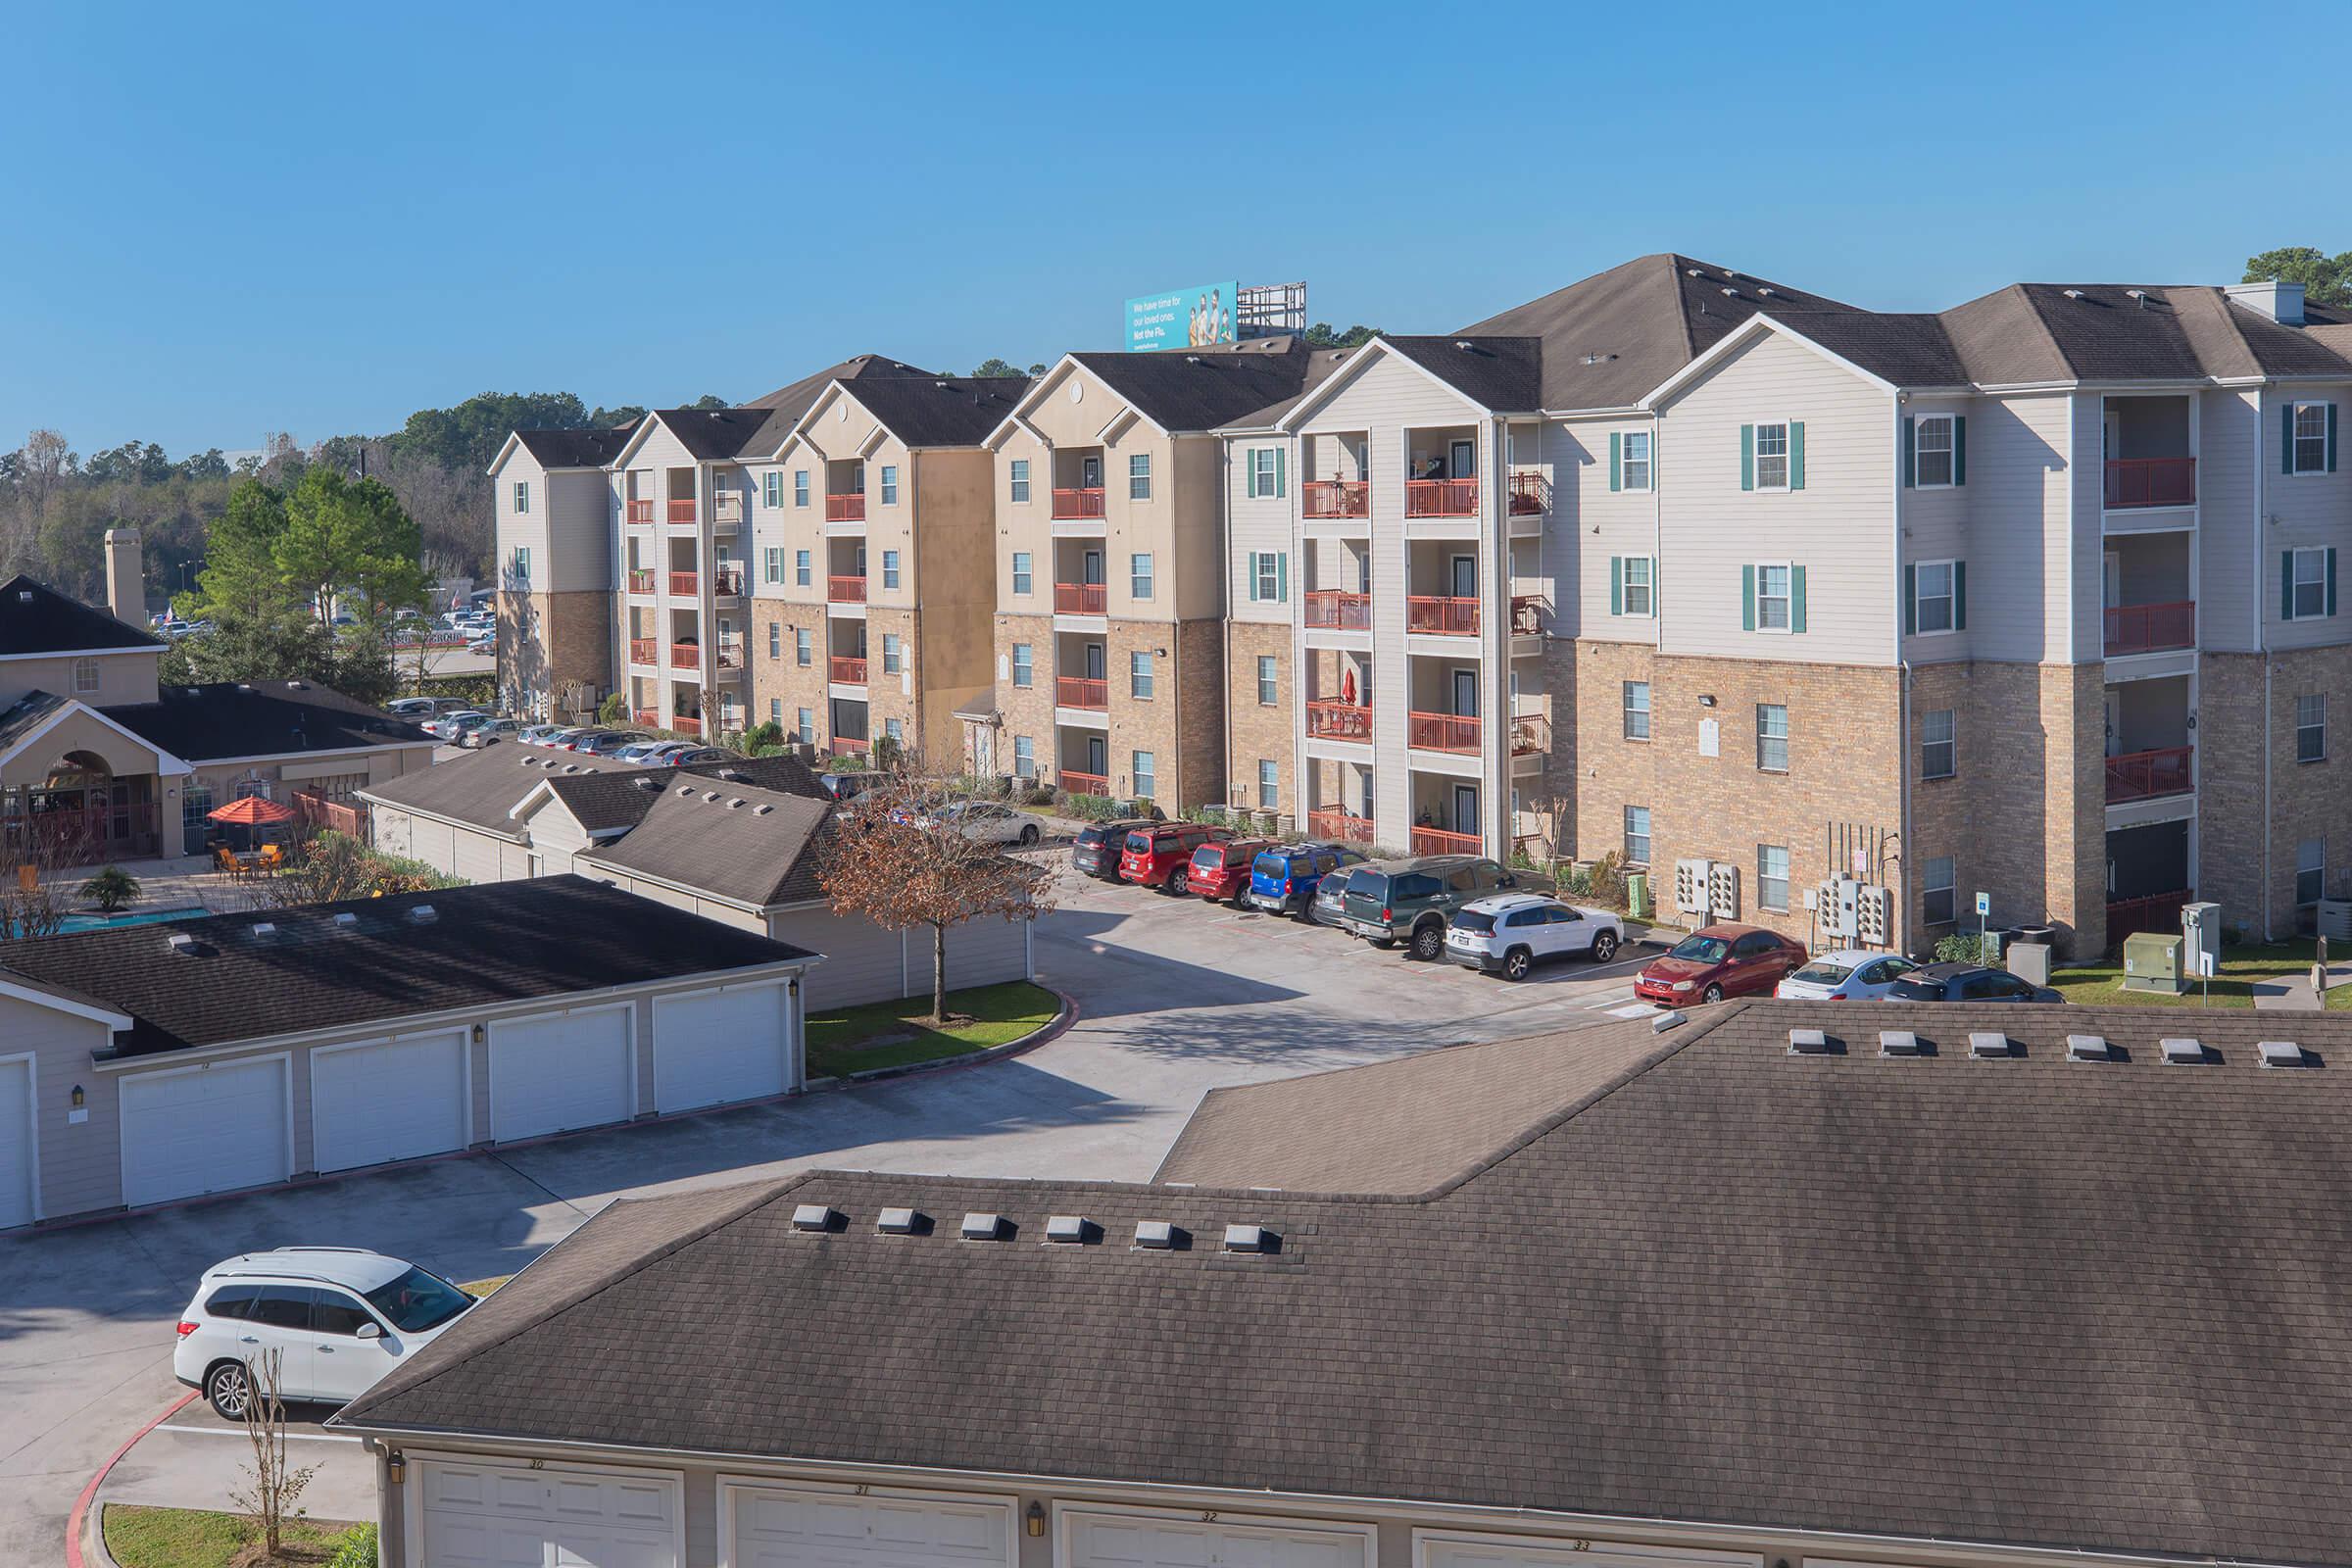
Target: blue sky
{"type": "Point", "coordinates": [221, 221]}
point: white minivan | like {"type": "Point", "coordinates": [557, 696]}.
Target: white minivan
{"type": "Point", "coordinates": [334, 1319]}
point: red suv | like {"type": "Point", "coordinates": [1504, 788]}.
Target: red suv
{"type": "Point", "coordinates": [1718, 961]}
{"type": "Point", "coordinates": [1221, 871]}
{"type": "Point", "coordinates": [1161, 857]}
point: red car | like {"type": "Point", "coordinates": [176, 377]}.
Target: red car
{"type": "Point", "coordinates": [1221, 871]}
{"type": "Point", "coordinates": [1161, 856]}
{"type": "Point", "coordinates": [1718, 961]}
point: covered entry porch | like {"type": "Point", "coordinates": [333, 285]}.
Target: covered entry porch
{"type": "Point", "coordinates": [77, 789]}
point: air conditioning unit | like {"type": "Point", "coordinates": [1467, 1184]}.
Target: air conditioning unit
{"type": "Point", "coordinates": [1874, 915]}
{"type": "Point", "coordinates": [1690, 885]}
{"type": "Point", "coordinates": [1722, 891]}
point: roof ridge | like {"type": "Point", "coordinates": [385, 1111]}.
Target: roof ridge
{"type": "Point", "coordinates": [1675, 264]}
{"type": "Point", "coordinates": [2040, 320]}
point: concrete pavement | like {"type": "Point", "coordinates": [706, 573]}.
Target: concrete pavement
{"type": "Point", "coordinates": [1176, 998]}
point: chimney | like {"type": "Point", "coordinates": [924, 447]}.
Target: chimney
{"type": "Point", "coordinates": [125, 578]}
{"type": "Point", "coordinates": [2281, 302]}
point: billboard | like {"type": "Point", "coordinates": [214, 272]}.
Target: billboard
{"type": "Point", "coordinates": [1184, 318]}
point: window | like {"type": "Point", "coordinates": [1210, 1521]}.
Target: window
{"type": "Point", "coordinates": [1266, 577]}
{"type": "Point", "coordinates": [890, 568]}
{"type": "Point", "coordinates": [1138, 674]}
{"type": "Point", "coordinates": [333, 1312]}
{"type": "Point", "coordinates": [1637, 834]}
{"type": "Point", "coordinates": [1934, 597]}
{"type": "Point", "coordinates": [1138, 477]}
{"type": "Point", "coordinates": [800, 568]}
{"type": "Point", "coordinates": [894, 731]}
{"type": "Point", "coordinates": [1637, 710]}
{"type": "Point", "coordinates": [771, 490]}
{"type": "Point", "coordinates": [1939, 903]}
{"type": "Point", "coordinates": [2310, 869]}
{"type": "Point", "coordinates": [1772, 598]}
{"type": "Point", "coordinates": [1021, 478]}
{"type": "Point", "coordinates": [775, 639]}
{"type": "Point", "coordinates": [800, 646]}
{"type": "Point", "coordinates": [522, 495]}
{"type": "Point", "coordinates": [1024, 757]}
{"type": "Point", "coordinates": [1024, 668]}
{"type": "Point", "coordinates": [771, 564]}
{"type": "Point", "coordinates": [1632, 585]}
{"type": "Point", "coordinates": [890, 652]}
{"type": "Point", "coordinates": [1939, 744]}
{"type": "Point", "coordinates": [2311, 729]}
{"type": "Point", "coordinates": [2309, 450]}
{"type": "Point", "coordinates": [283, 1307]}
{"type": "Point", "coordinates": [2309, 584]}
{"type": "Point", "coordinates": [1771, 457]}
{"type": "Point", "coordinates": [799, 487]}
{"type": "Point", "coordinates": [1265, 471]}
{"type": "Point", "coordinates": [805, 725]}
{"type": "Point", "coordinates": [86, 675]}
{"type": "Point", "coordinates": [1772, 737]}
{"type": "Point", "coordinates": [1269, 683]}
{"type": "Point", "coordinates": [1139, 575]}
{"type": "Point", "coordinates": [1771, 876]}
{"type": "Point", "coordinates": [890, 484]}
{"type": "Point", "coordinates": [1635, 463]}
{"type": "Point", "coordinates": [775, 712]}
{"type": "Point", "coordinates": [1931, 445]}
{"type": "Point", "coordinates": [522, 566]}
{"type": "Point", "coordinates": [1024, 576]}
{"type": "Point", "coordinates": [1140, 765]}
{"type": "Point", "coordinates": [1269, 786]}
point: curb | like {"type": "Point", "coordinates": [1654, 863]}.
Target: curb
{"type": "Point", "coordinates": [1045, 1034]}
{"type": "Point", "coordinates": [86, 1544]}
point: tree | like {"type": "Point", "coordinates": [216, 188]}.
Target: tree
{"type": "Point", "coordinates": [605, 419]}
{"type": "Point", "coordinates": [2325, 279]}
{"type": "Point", "coordinates": [468, 435]}
{"type": "Point", "coordinates": [274, 1486]}
{"type": "Point", "coordinates": [709, 400]}
{"type": "Point", "coordinates": [997, 367]}
{"type": "Point", "coordinates": [112, 889]}
{"type": "Point", "coordinates": [1321, 336]}
{"type": "Point", "coordinates": [345, 539]}
{"type": "Point", "coordinates": [901, 859]}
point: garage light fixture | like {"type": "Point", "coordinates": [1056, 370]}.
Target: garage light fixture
{"type": "Point", "coordinates": [481, 1032]}
{"type": "Point", "coordinates": [79, 1099]}
{"type": "Point", "coordinates": [1035, 1519]}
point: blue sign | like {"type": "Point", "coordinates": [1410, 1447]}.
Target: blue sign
{"type": "Point", "coordinates": [1184, 318]}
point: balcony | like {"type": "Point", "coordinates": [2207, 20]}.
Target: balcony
{"type": "Point", "coordinates": [2149, 775]}
{"type": "Point", "coordinates": [1442, 732]}
{"type": "Point", "coordinates": [1072, 505]}
{"type": "Point", "coordinates": [687, 725]}
{"type": "Point", "coordinates": [2159, 912]}
{"type": "Point", "coordinates": [1081, 691]}
{"type": "Point", "coordinates": [1329, 719]}
{"type": "Point", "coordinates": [1339, 826]}
{"type": "Point", "coordinates": [2151, 482]}
{"type": "Point", "coordinates": [1338, 498]}
{"type": "Point", "coordinates": [685, 655]}
{"type": "Point", "coordinates": [1531, 734]}
{"type": "Point", "coordinates": [726, 510]}
{"type": "Point", "coordinates": [847, 670]}
{"type": "Point", "coordinates": [1531, 495]}
{"type": "Point", "coordinates": [641, 580]}
{"type": "Point", "coordinates": [1074, 782]}
{"type": "Point", "coordinates": [1438, 841]}
{"type": "Point", "coordinates": [845, 590]}
{"type": "Point", "coordinates": [1440, 498]}
{"type": "Point", "coordinates": [1441, 616]}
{"type": "Point", "coordinates": [685, 583]}
{"type": "Point", "coordinates": [730, 652]}
{"type": "Point", "coordinates": [1079, 597]}
{"type": "Point", "coordinates": [1331, 610]}
{"type": "Point", "coordinates": [644, 650]}
{"type": "Point", "coordinates": [845, 508]}
{"type": "Point", "coordinates": [646, 717]}
{"type": "Point", "coordinates": [682, 510]}
{"type": "Point", "coordinates": [727, 582]}
{"type": "Point", "coordinates": [852, 745]}
{"type": "Point", "coordinates": [2151, 629]}
{"type": "Point", "coordinates": [1527, 614]}
{"type": "Point", "coordinates": [639, 510]}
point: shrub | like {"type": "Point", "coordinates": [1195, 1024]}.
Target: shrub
{"type": "Point", "coordinates": [1576, 881]}
{"type": "Point", "coordinates": [1961, 947]}
{"type": "Point", "coordinates": [110, 889]}
{"type": "Point", "coordinates": [1604, 882]}
{"type": "Point", "coordinates": [768, 734]}
{"type": "Point", "coordinates": [613, 710]}
{"type": "Point", "coordinates": [354, 1549]}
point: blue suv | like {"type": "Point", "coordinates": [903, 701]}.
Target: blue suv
{"type": "Point", "coordinates": [1282, 881]}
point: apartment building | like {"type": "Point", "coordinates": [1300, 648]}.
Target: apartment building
{"type": "Point", "coordinates": [1111, 624]}
{"type": "Point", "coordinates": [556, 593]}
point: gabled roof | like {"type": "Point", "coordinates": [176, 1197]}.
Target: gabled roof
{"type": "Point", "coordinates": [737, 841]}
{"type": "Point", "coordinates": [35, 618]}
{"type": "Point", "coordinates": [1501, 374]}
{"type": "Point", "coordinates": [260, 718]}
{"type": "Point", "coordinates": [2037, 332]}
{"type": "Point", "coordinates": [939, 410]}
{"type": "Point", "coordinates": [573, 449]}
{"type": "Point", "coordinates": [38, 714]}
{"type": "Point", "coordinates": [481, 789]}
{"type": "Point", "coordinates": [713, 435]}
{"type": "Point", "coordinates": [785, 405]}
{"type": "Point", "coordinates": [2027, 1301]}
{"type": "Point", "coordinates": [602, 802]}
{"type": "Point", "coordinates": [1201, 389]}
{"type": "Point", "coordinates": [779, 771]}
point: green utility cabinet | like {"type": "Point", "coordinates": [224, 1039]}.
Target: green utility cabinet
{"type": "Point", "coordinates": [2153, 961]}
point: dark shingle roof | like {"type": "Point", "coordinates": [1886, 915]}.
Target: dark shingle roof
{"type": "Point", "coordinates": [2031, 332]}
{"type": "Point", "coordinates": [715, 435]}
{"type": "Point", "coordinates": [781, 772]}
{"type": "Point", "coordinates": [604, 803]}
{"type": "Point", "coordinates": [784, 405]}
{"type": "Point", "coordinates": [1906, 350]}
{"type": "Point", "coordinates": [939, 410]}
{"type": "Point", "coordinates": [1201, 389]}
{"type": "Point", "coordinates": [2030, 1300]}
{"type": "Point", "coordinates": [1503, 375]}
{"type": "Point", "coordinates": [26, 716]}
{"type": "Point", "coordinates": [261, 718]}
{"type": "Point", "coordinates": [576, 448]}
{"type": "Point", "coordinates": [489, 943]}
{"type": "Point", "coordinates": [35, 618]}
{"type": "Point", "coordinates": [481, 787]}
{"type": "Point", "coordinates": [734, 841]}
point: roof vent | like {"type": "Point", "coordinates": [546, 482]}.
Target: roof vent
{"type": "Point", "coordinates": [1808, 1043]}
{"type": "Point", "coordinates": [652, 786]}
{"type": "Point", "coordinates": [1598, 359]}
{"type": "Point", "coordinates": [733, 775]}
{"type": "Point", "coordinates": [1896, 1043]}
{"type": "Point", "coordinates": [2283, 1054]}
{"type": "Point", "coordinates": [347, 921]}
{"type": "Point", "coordinates": [735, 803]}
{"type": "Point", "coordinates": [1987, 1045]}
{"type": "Point", "coordinates": [181, 942]}
{"type": "Point", "coordinates": [685, 789]}
{"type": "Point", "coordinates": [24, 596]}
{"type": "Point", "coordinates": [263, 931]}
{"type": "Point", "coordinates": [983, 1227]}
{"type": "Point", "coordinates": [899, 1222]}
{"type": "Point", "coordinates": [762, 809]}
{"type": "Point", "coordinates": [1251, 1239]}
{"type": "Point", "coordinates": [1192, 359]}
{"type": "Point", "coordinates": [2140, 294]}
{"type": "Point", "coordinates": [1697, 272]}
{"type": "Point", "coordinates": [1157, 1234]}
{"type": "Point", "coordinates": [2088, 1048]}
{"type": "Point", "coordinates": [1067, 1228]}
{"type": "Point", "coordinates": [2182, 1052]}
{"type": "Point", "coordinates": [1465, 344]}
{"type": "Point", "coordinates": [710, 795]}
{"type": "Point", "coordinates": [1665, 1022]}
{"type": "Point", "coordinates": [814, 1217]}
{"type": "Point", "coordinates": [2072, 293]}
{"type": "Point", "coordinates": [423, 915]}
{"type": "Point", "coordinates": [1764, 291]}
{"type": "Point", "coordinates": [1731, 293]}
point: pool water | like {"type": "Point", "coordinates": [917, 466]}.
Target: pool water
{"type": "Point", "coordinates": [107, 922]}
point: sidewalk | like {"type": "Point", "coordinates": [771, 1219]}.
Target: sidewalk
{"type": "Point", "coordinates": [2293, 993]}
{"type": "Point", "coordinates": [177, 882]}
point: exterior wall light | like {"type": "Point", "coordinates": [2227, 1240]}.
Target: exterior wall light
{"type": "Point", "coordinates": [481, 1032]}
{"type": "Point", "coordinates": [396, 1468]}
{"type": "Point", "coordinates": [79, 1099]}
{"type": "Point", "coordinates": [1036, 1518]}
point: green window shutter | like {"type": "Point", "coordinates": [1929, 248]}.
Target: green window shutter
{"type": "Point", "coordinates": [2330, 438]}
{"type": "Point", "coordinates": [1747, 599]}
{"type": "Point", "coordinates": [1796, 454]}
{"type": "Point", "coordinates": [1250, 472]}
{"type": "Point", "coordinates": [1910, 450]}
{"type": "Point", "coordinates": [1616, 585]}
{"type": "Point", "coordinates": [2286, 439]}
{"type": "Point", "coordinates": [1959, 596]}
{"type": "Point", "coordinates": [1282, 473]}
{"type": "Point", "coordinates": [1910, 599]}
{"type": "Point", "coordinates": [1282, 572]}
{"type": "Point", "coordinates": [2331, 582]}
{"type": "Point", "coordinates": [1654, 600]}
{"type": "Point", "coordinates": [1797, 593]}
{"type": "Point", "coordinates": [1252, 559]}
{"type": "Point", "coordinates": [2286, 585]}
{"type": "Point", "coordinates": [1616, 461]}
{"type": "Point", "coordinates": [1959, 448]}
{"type": "Point", "coordinates": [1747, 459]}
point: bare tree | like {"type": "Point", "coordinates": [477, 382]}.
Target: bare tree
{"type": "Point", "coordinates": [272, 1487]}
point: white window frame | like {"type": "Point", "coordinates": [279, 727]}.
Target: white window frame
{"type": "Point", "coordinates": [1949, 745]}
{"type": "Point", "coordinates": [775, 639]}
{"type": "Point", "coordinates": [1765, 881]}
{"type": "Point", "coordinates": [2320, 436]}
{"type": "Point", "coordinates": [1269, 784]}
{"type": "Point", "coordinates": [2317, 556]}
{"type": "Point", "coordinates": [771, 495]}
{"type": "Point", "coordinates": [890, 568]}
{"type": "Point", "coordinates": [1627, 462]}
{"type": "Point", "coordinates": [804, 649]}
{"type": "Point", "coordinates": [804, 725]}
{"type": "Point", "coordinates": [1787, 596]}
{"type": "Point", "coordinates": [801, 569]}
{"type": "Point", "coordinates": [87, 676]}
{"type": "Point", "coordinates": [1648, 587]}
{"type": "Point", "coordinates": [1018, 477]}
{"type": "Point", "coordinates": [1141, 578]}
{"type": "Point", "coordinates": [1024, 757]}
{"type": "Point", "coordinates": [1268, 580]}
{"type": "Point", "coordinates": [523, 496]}
{"type": "Point", "coordinates": [1763, 764]}
{"type": "Point", "coordinates": [1139, 775]}
{"type": "Point", "coordinates": [1646, 709]}
{"type": "Point", "coordinates": [1950, 451]}
{"type": "Point", "coordinates": [1138, 477]}
{"type": "Point", "coordinates": [890, 652]}
{"type": "Point", "coordinates": [1261, 472]}
{"type": "Point", "coordinates": [771, 563]}
{"type": "Point", "coordinates": [1141, 681]}
{"type": "Point", "coordinates": [522, 566]}
{"type": "Point", "coordinates": [1269, 680]}
{"type": "Point", "coordinates": [1950, 598]}
{"type": "Point", "coordinates": [775, 712]}
{"type": "Point", "coordinates": [1024, 572]}
{"type": "Point", "coordinates": [1783, 424]}
{"type": "Point", "coordinates": [799, 487]}
{"type": "Point", "coordinates": [890, 484]}
{"type": "Point", "coordinates": [1630, 836]}
{"type": "Point", "coordinates": [894, 730]}
{"type": "Point", "coordinates": [1022, 667]}
{"type": "Point", "coordinates": [2301, 727]}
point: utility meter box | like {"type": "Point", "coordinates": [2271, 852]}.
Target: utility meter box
{"type": "Point", "coordinates": [2152, 963]}
{"type": "Point", "coordinates": [2201, 930]}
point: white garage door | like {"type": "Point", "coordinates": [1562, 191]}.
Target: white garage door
{"type": "Point", "coordinates": [209, 1129]}
{"type": "Point", "coordinates": [719, 1046]}
{"type": "Point", "coordinates": [1123, 1541]}
{"type": "Point", "coordinates": [1495, 1551]}
{"type": "Point", "coordinates": [16, 1143]}
{"type": "Point", "coordinates": [389, 1100]}
{"type": "Point", "coordinates": [480, 1516]}
{"type": "Point", "coordinates": [574, 1069]}
{"type": "Point", "coordinates": [783, 1527]}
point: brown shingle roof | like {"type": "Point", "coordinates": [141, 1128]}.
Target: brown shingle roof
{"type": "Point", "coordinates": [735, 840]}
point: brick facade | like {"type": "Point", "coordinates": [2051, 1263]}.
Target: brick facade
{"type": "Point", "coordinates": [777, 677]}
{"type": "Point", "coordinates": [1030, 712]}
{"type": "Point", "coordinates": [1260, 730]}
{"type": "Point", "coordinates": [547, 641]}
{"type": "Point", "coordinates": [2307, 800]}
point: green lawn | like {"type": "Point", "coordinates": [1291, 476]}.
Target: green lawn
{"type": "Point", "coordinates": [2101, 984]}
{"type": "Point", "coordinates": [999, 1015]}
{"type": "Point", "coordinates": [196, 1538]}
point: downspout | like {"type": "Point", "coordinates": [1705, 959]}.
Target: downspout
{"type": "Point", "coordinates": [2262, 642]}
{"type": "Point", "coordinates": [1225, 600]}
{"type": "Point", "coordinates": [1901, 934]}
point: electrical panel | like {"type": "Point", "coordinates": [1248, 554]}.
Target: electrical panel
{"type": "Point", "coordinates": [1723, 890]}
{"type": "Point", "coordinates": [1690, 885]}
{"type": "Point", "coordinates": [1846, 907]}
{"type": "Point", "coordinates": [1874, 915]}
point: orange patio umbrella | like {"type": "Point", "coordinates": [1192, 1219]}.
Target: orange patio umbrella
{"type": "Point", "coordinates": [252, 812]}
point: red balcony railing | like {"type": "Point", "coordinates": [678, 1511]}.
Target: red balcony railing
{"type": "Point", "coordinates": [2151, 629]}
{"type": "Point", "coordinates": [1531, 495]}
{"type": "Point", "coordinates": [682, 510]}
{"type": "Point", "coordinates": [2159, 912]}
{"type": "Point", "coordinates": [850, 671]}
{"type": "Point", "coordinates": [644, 650]}
{"type": "Point", "coordinates": [1440, 498]}
{"type": "Point", "coordinates": [1074, 782]}
{"type": "Point", "coordinates": [1331, 610]}
{"type": "Point", "coordinates": [1445, 617]}
{"type": "Point", "coordinates": [641, 580]}
{"type": "Point", "coordinates": [853, 744]}
{"type": "Point", "coordinates": [1339, 826]}
{"type": "Point", "coordinates": [1076, 504]}
{"type": "Point", "coordinates": [1442, 732]}
{"type": "Point", "coordinates": [640, 511]}
{"type": "Point", "coordinates": [1080, 691]}
{"type": "Point", "coordinates": [686, 656]}
{"type": "Point", "coordinates": [2151, 481]}
{"type": "Point", "coordinates": [1078, 598]}
{"type": "Point", "coordinates": [1531, 734]}
{"type": "Point", "coordinates": [1338, 498]}
{"type": "Point", "coordinates": [727, 582]}
{"type": "Point", "coordinates": [1330, 721]}
{"type": "Point", "coordinates": [650, 717]}
{"type": "Point", "coordinates": [2147, 775]}
{"type": "Point", "coordinates": [687, 725]}
{"type": "Point", "coordinates": [845, 590]}
{"type": "Point", "coordinates": [845, 508]}
{"type": "Point", "coordinates": [684, 583]}
{"type": "Point", "coordinates": [1438, 841]}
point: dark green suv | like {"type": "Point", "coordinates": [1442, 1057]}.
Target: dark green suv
{"type": "Point", "coordinates": [1412, 900]}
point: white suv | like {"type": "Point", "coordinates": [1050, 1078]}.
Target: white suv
{"type": "Point", "coordinates": [1510, 933]}
{"type": "Point", "coordinates": [337, 1317]}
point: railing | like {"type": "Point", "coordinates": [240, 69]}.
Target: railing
{"type": "Point", "coordinates": [649, 717]}
{"type": "Point", "coordinates": [845, 508]}
{"type": "Point", "coordinates": [1442, 617]}
{"type": "Point", "coordinates": [1438, 841]}
{"type": "Point", "coordinates": [1079, 597]}
{"type": "Point", "coordinates": [727, 509]}
{"type": "Point", "coordinates": [845, 590]}
{"type": "Point", "coordinates": [1332, 610]}
{"type": "Point", "coordinates": [1527, 614]}
{"type": "Point", "coordinates": [684, 583]}
{"type": "Point", "coordinates": [2151, 481]}
{"type": "Point", "coordinates": [641, 580]}
{"type": "Point", "coordinates": [2151, 629]}
{"type": "Point", "coordinates": [2147, 775]}
{"type": "Point", "coordinates": [853, 744]}
{"type": "Point", "coordinates": [727, 582]}
{"type": "Point", "coordinates": [681, 510]}
{"type": "Point", "coordinates": [80, 835]}
{"type": "Point", "coordinates": [1080, 691]}
{"type": "Point", "coordinates": [730, 654]}
{"type": "Point", "coordinates": [1442, 732]}
{"type": "Point", "coordinates": [640, 511]}
{"type": "Point", "coordinates": [2157, 912]}
{"type": "Point", "coordinates": [1440, 498]}
{"type": "Point", "coordinates": [1328, 719]}
{"type": "Point", "coordinates": [848, 670]}
{"type": "Point", "coordinates": [1074, 782]}
{"type": "Point", "coordinates": [1338, 498]}
{"type": "Point", "coordinates": [314, 812]}
{"type": "Point", "coordinates": [1339, 826]}
{"type": "Point", "coordinates": [686, 656]}
{"type": "Point", "coordinates": [644, 650]}
{"type": "Point", "coordinates": [1531, 734]}
{"type": "Point", "coordinates": [687, 725]}
{"type": "Point", "coordinates": [1075, 504]}
{"type": "Point", "coordinates": [1531, 495]}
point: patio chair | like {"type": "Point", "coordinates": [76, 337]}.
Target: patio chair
{"type": "Point", "coordinates": [273, 858]}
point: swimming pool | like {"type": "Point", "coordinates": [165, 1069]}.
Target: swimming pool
{"type": "Point", "coordinates": [107, 922]}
